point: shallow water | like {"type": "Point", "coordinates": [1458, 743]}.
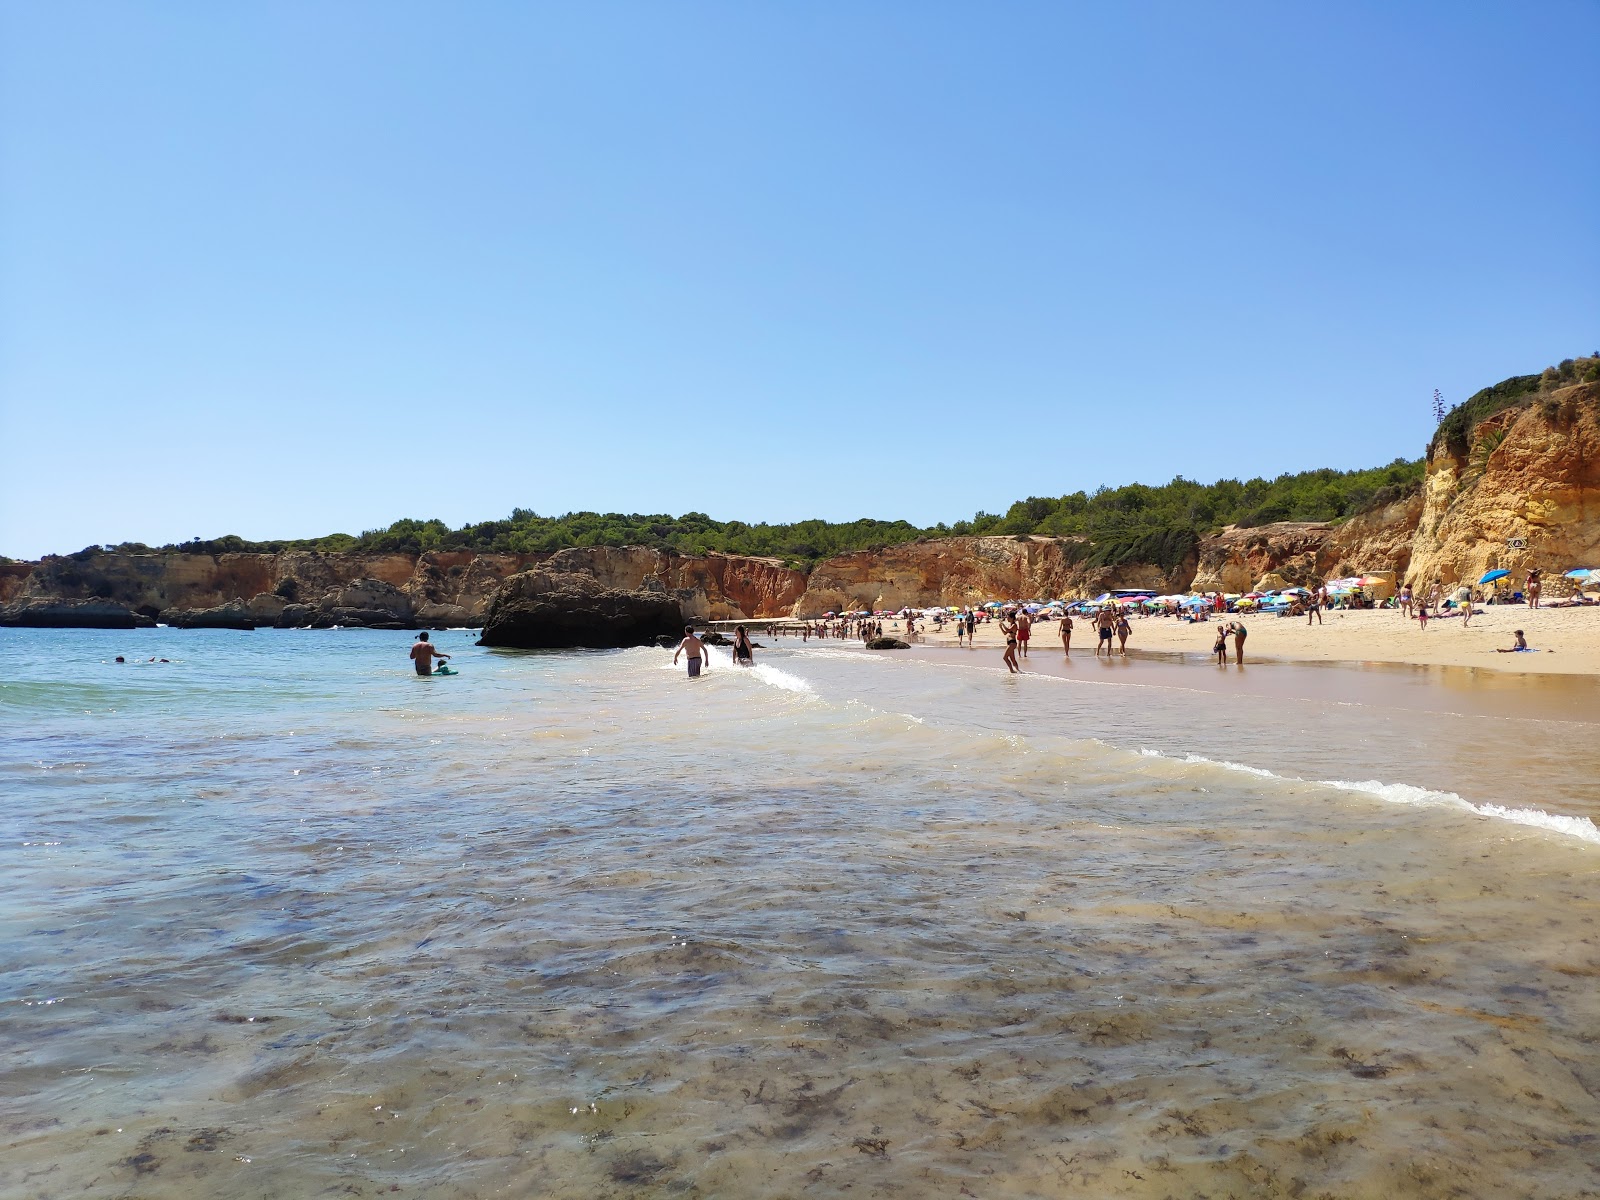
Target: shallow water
{"type": "Point", "coordinates": [283, 920]}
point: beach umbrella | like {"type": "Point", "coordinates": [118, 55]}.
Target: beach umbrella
{"type": "Point", "coordinates": [1491, 576]}
{"type": "Point", "coordinates": [1580, 572]}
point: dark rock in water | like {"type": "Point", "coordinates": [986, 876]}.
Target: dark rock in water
{"type": "Point", "coordinates": [297, 616]}
{"type": "Point", "coordinates": [70, 614]}
{"type": "Point", "coordinates": [358, 618]}
{"type": "Point", "coordinates": [716, 639]}
{"type": "Point", "coordinates": [669, 641]}
{"type": "Point", "coordinates": [536, 610]}
{"type": "Point", "coordinates": [235, 615]}
{"type": "Point", "coordinates": [887, 643]}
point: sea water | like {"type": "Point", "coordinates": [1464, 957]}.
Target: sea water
{"type": "Point", "coordinates": [281, 919]}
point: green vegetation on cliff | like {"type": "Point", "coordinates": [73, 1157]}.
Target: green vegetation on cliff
{"type": "Point", "coordinates": [1455, 431]}
{"type": "Point", "coordinates": [1136, 522]}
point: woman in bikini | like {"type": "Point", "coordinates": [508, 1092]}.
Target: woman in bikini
{"type": "Point", "coordinates": [1009, 628]}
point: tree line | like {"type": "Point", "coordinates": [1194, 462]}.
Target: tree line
{"type": "Point", "coordinates": [1136, 522]}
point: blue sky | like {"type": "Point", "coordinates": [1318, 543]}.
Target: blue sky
{"type": "Point", "coordinates": [287, 269]}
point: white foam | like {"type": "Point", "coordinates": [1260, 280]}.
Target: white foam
{"type": "Point", "coordinates": [1581, 828]}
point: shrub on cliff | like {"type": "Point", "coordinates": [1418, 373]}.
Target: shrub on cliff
{"type": "Point", "coordinates": [1455, 431]}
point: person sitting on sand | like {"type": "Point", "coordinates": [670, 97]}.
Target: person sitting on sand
{"type": "Point", "coordinates": [694, 648]}
{"type": "Point", "coordinates": [424, 652]}
{"type": "Point", "coordinates": [1521, 644]}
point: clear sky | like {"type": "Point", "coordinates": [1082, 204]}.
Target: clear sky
{"type": "Point", "coordinates": [292, 268]}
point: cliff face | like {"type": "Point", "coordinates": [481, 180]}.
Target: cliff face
{"type": "Point", "coordinates": [967, 570]}
{"type": "Point", "coordinates": [1531, 473]}
{"type": "Point", "coordinates": [1380, 540]}
{"type": "Point", "coordinates": [1235, 559]}
{"type": "Point", "coordinates": [716, 587]}
{"type": "Point", "coordinates": [444, 588]}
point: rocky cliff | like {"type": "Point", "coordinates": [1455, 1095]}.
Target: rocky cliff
{"type": "Point", "coordinates": [966, 570]}
{"type": "Point", "coordinates": [1529, 473]}
{"type": "Point", "coordinates": [302, 588]}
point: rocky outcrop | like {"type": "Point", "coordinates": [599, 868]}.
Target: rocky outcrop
{"type": "Point", "coordinates": [1237, 558]}
{"type": "Point", "coordinates": [887, 643]}
{"type": "Point", "coordinates": [540, 609]}
{"type": "Point", "coordinates": [1530, 474]}
{"type": "Point", "coordinates": [236, 615]}
{"type": "Point", "coordinates": [70, 614]}
{"type": "Point", "coordinates": [1375, 542]}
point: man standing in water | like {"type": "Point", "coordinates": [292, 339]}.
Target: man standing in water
{"type": "Point", "coordinates": [694, 648]}
{"type": "Point", "coordinates": [424, 652]}
{"type": "Point", "coordinates": [1024, 630]}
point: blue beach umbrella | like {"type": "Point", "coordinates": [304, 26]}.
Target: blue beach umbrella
{"type": "Point", "coordinates": [1491, 576]}
{"type": "Point", "coordinates": [1580, 572]}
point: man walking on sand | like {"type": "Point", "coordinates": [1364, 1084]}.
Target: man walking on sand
{"type": "Point", "coordinates": [424, 652]}
{"type": "Point", "coordinates": [1105, 622]}
{"type": "Point", "coordinates": [694, 648]}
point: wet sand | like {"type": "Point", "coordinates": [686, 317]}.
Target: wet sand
{"type": "Point", "coordinates": [1567, 640]}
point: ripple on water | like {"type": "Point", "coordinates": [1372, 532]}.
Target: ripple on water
{"type": "Point", "coordinates": [591, 931]}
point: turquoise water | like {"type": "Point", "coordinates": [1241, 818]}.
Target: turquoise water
{"type": "Point", "coordinates": [283, 919]}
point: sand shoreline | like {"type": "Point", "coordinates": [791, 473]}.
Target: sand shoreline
{"type": "Point", "coordinates": [1567, 640]}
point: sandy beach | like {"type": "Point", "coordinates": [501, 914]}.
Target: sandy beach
{"type": "Point", "coordinates": [1566, 641]}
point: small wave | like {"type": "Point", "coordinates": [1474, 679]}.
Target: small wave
{"type": "Point", "coordinates": [762, 673]}
{"type": "Point", "coordinates": [1581, 828]}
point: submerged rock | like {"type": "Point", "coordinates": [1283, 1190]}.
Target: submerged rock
{"type": "Point", "coordinates": [537, 610]}
{"type": "Point", "coordinates": [887, 643]}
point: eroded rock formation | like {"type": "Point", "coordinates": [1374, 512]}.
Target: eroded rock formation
{"type": "Point", "coordinates": [1235, 559]}
{"type": "Point", "coordinates": [1529, 474]}
{"type": "Point", "coordinates": [543, 609]}
{"type": "Point", "coordinates": [307, 589]}
{"type": "Point", "coordinates": [967, 570]}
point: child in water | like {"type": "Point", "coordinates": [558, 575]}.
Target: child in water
{"type": "Point", "coordinates": [444, 669]}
